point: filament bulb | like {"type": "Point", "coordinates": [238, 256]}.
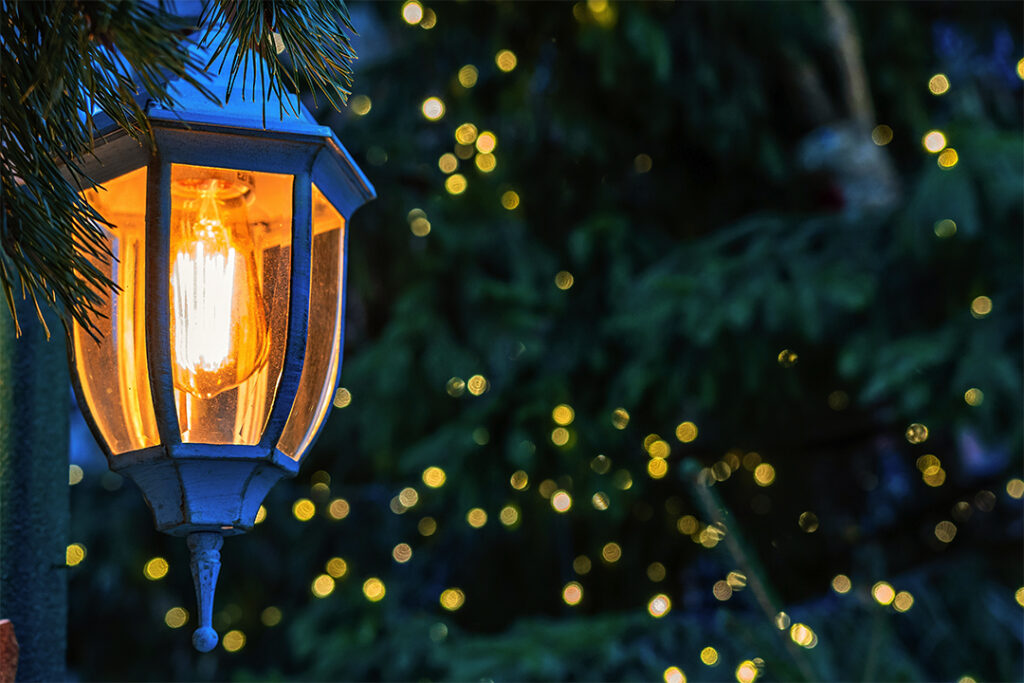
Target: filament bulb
{"type": "Point", "coordinates": [218, 330]}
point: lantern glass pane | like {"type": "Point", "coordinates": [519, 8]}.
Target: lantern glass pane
{"type": "Point", "coordinates": [322, 361]}
{"type": "Point", "coordinates": [112, 373]}
{"type": "Point", "coordinates": [230, 260]}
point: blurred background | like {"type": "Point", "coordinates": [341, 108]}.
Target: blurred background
{"type": "Point", "coordinates": [683, 343]}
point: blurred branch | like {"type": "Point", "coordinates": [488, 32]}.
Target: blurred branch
{"type": "Point", "coordinates": [851, 63]}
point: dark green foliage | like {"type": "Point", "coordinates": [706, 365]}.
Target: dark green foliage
{"type": "Point", "coordinates": [689, 280]}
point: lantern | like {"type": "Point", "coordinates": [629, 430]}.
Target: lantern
{"type": "Point", "coordinates": [220, 351]}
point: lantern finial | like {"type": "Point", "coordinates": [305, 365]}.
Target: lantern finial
{"type": "Point", "coordinates": [205, 548]}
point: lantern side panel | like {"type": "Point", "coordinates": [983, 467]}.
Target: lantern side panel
{"type": "Point", "coordinates": [230, 264]}
{"type": "Point", "coordinates": [322, 361]}
{"type": "Point", "coordinates": [113, 374]}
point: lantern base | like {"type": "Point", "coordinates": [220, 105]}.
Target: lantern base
{"type": "Point", "coordinates": [218, 489]}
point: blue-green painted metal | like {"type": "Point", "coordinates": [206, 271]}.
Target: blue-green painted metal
{"type": "Point", "coordinates": [207, 491]}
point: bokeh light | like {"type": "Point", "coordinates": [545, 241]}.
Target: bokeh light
{"type": "Point", "coordinates": [974, 396]}
{"type": "Point", "coordinates": [373, 589]}
{"type": "Point", "coordinates": [564, 280]}
{"type": "Point", "coordinates": [659, 606]}
{"type": "Point", "coordinates": [981, 306]}
{"type": "Point", "coordinates": [519, 480]}
{"type": "Point", "coordinates": [903, 601]}
{"type": "Point", "coordinates": [412, 12]}
{"type": "Point", "coordinates": [674, 674]}
{"type": "Point", "coordinates": [841, 584]}
{"type": "Point", "coordinates": [572, 593]}
{"type": "Point", "coordinates": [709, 656]}
{"type": "Point", "coordinates": [934, 141]}
{"type": "Point", "coordinates": [342, 397]}
{"type": "Point", "coordinates": [75, 474]}
{"type": "Point", "coordinates": [303, 509]}
{"type": "Point", "coordinates": [883, 593]}
{"type": "Point", "coordinates": [938, 84]}
{"type": "Point", "coordinates": [434, 477]}
{"type": "Point", "coordinates": [452, 599]}
{"type": "Point", "coordinates": [336, 567]}
{"type": "Point", "coordinates": [401, 553]}
{"type": "Point", "coordinates": [509, 200]}
{"type": "Point", "coordinates": [233, 641]}
{"type": "Point", "coordinates": [611, 552]}
{"type": "Point", "coordinates": [74, 554]}
{"type": "Point", "coordinates": [944, 229]}
{"type": "Point", "coordinates": [456, 184]}
{"type": "Point", "coordinates": [322, 586]}
{"type": "Point", "coordinates": [686, 432]}
{"type": "Point", "coordinates": [764, 474]}
{"type": "Point", "coordinates": [620, 418]}
{"type": "Point", "coordinates": [948, 158]}
{"type": "Point", "coordinates": [881, 135]}
{"type": "Point", "coordinates": [561, 501]}
{"type": "Point", "coordinates": [155, 569]}
{"type": "Point", "coordinates": [360, 105]}
{"type": "Point", "coordinates": [746, 672]}
{"type": "Point", "coordinates": [467, 76]}
{"type": "Point", "coordinates": [506, 60]}
{"type": "Point", "coordinates": [509, 515]}
{"type": "Point", "coordinates": [338, 509]}
{"type": "Point", "coordinates": [476, 518]}
{"type": "Point", "coordinates": [916, 433]}
{"type": "Point", "coordinates": [176, 617]}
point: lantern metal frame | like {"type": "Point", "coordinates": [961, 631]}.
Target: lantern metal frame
{"type": "Point", "coordinates": [207, 491]}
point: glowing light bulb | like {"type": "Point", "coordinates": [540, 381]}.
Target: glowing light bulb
{"type": "Point", "coordinates": [218, 330]}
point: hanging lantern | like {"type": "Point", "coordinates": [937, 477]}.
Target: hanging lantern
{"type": "Point", "coordinates": [220, 351]}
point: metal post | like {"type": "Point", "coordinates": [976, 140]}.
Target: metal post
{"type": "Point", "coordinates": [34, 498]}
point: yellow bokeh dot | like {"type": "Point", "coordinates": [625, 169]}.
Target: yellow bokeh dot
{"type": "Point", "coordinates": [611, 552]}
{"type": "Point", "coordinates": [342, 397]}
{"type": "Point", "coordinates": [547, 488]}
{"type": "Point", "coordinates": [572, 593]}
{"type": "Point", "coordinates": [401, 553]}
{"type": "Point", "coordinates": [412, 12]}
{"type": "Point", "coordinates": [434, 477]}
{"type": "Point", "coordinates": [337, 567]}
{"type": "Point", "coordinates": [656, 572]}
{"type": "Point", "coordinates": [709, 656]}
{"type": "Point", "coordinates": [233, 641]}
{"type": "Point", "coordinates": [657, 468]}
{"type": "Point", "coordinates": [948, 158]}
{"type": "Point", "coordinates": [736, 580]}
{"type": "Point", "coordinates": [452, 599]}
{"type": "Point", "coordinates": [486, 162]}
{"type": "Point", "coordinates": [564, 280]}
{"type": "Point", "coordinates": [465, 134]}
{"type": "Point", "coordinates": [659, 605]}
{"type": "Point", "coordinates": [945, 531]}
{"type": "Point", "coordinates": [271, 616]}
{"type": "Point", "coordinates": [429, 19]}
{"type": "Point", "coordinates": [561, 501]}
{"type": "Point", "coordinates": [486, 141]}
{"type": "Point", "coordinates": [600, 500]}
{"type": "Point", "coordinates": [477, 385]}
{"type": "Point", "coordinates": [509, 515]}
{"type": "Point", "coordinates": [560, 436]}
{"type": "Point", "coordinates": [687, 525]}
{"type": "Point", "coordinates": [642, 163]}
{"type": "Point", "coordinates": [974, 396]}
{"type": "Point", "coordinates": [420, 227]}
{"type": "Point", "coordinates": [303, 509]}
{"type": "Point", "coordinates": [746, 672]}
{"type": "Point", "coordinates": [455, 387]}
{"type": "Point", "coordinates": [916, 433]}
{"type": "Point", "coordinates": [360, 105]}
{"type": "Point", "coordinates": [883, 593]}
{"type": "Point", "coordinates": [620, 418]}
{"type": "Point", "coordinates": [155, 569]}
{"type": "Point", "coordinates": [1015, 488]}
{"type": "Point", "coordinates": [74, 474]}
{"type": "Point", "coordinates": [764, 474]}
{"type": "Point", "coordinates": [581, 565]}
{"type": "Point", "coordinates": [338, 509]}
{"type": "Point", "coordinates": [659, 448]}
{"type": "Point", "coordinates": [176, 617]}
{"type": "Point", "coordinates": [408, 497]}
{"type": "Point", "coordinates": [686, 431]}
{"type": "Point", "coordinates": [721, 590]}
{"type": "Point", "coordinates": [1019, 596]}
{"type": "Point", "coordinates": [944, 228]}
{"type": "Point", "coordinates": [841, 583]}
{"type": "Point", "coordinates": [981, 306]}
{"type": "Point", "coordinates": [938, 84]}
{"type": "Point", "coordinates": [476, 518]}
{"type": "Point", "coordinates": [509, 200]}
{"type": "Point", "coordinates": [903, 601]}
{"type": "Point", "coordinates": [455, 183]}
{"type": "Point", "coordinates": [261, 515]}
{"type": "Point", "coordinates": [782, 621]}
{"type": "Point", "coordinates": [74, 554]}
{"type": "Point", "coordinates": [881, 135]}
{"type": "Point", "coordinates": [563, 414]}
{"type": "Point", "coordinates": [448, 162]}
{"type": "Point", "coordinates": [322, 586]}
{"type": "Point", "coordinates": [373, 589]}
{"type": "Point", "coordinates": [463, 151]}
{"type": "Point", "coordinates": [468, 75]}
{"type": "Point", "coordinates": [519, 480]}
{"type": "Point", "coordinates": [432, 108]}
{"type": "Point", "coordinates": [787, 358]}
{"type": "Point", "coordinates": [427, 526]}
{"type": "Point", "coordinates": [802, 635]}
{"type": "Point", "coordinates": [808, 522]}
{"type": "Point", "coordinates": [506, 60]}
{"type": "Point", "coordinates": [674, 674]}
{"type": "Point", "coordinates": [934, 141]}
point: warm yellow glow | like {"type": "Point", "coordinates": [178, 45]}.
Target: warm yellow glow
{"type": "Point", "coordinates": [808, 522]}
{"type": "Point", "coordinates": [486, 162]}
{"type": "Point", "coordinates": [476, 518]}
{"type": "Point", "coordinates": [338, 509]}
{"type": "Point", "coordinates": [427, 526]}
{"type": "Point", "coordinates": [409, 496]}
{"type": "Point", "coordinates": [420, 227]}
{"type": "Point", "coordinates": [1019, 596]}
{"type": "Point", "coordinates": [337, 567]}
{"type": "Point", "coordinates": [560, 436]}
{"type": "Point", "coordinates": [1020, 68]}
{"type": "Point", "coordinates": [465, 134]}
{"type": "Point", "coordinates": [519, 480]}
{"type": "Point", "coordinates": [938, 84]}
{"type": "Point", "coordinates": [452, 599]}
{"type": "Point", "coordinates": [945, 228]}
{"type": "Point", "coordinates": [736, 580]}
{"type": "Point", "coordinates": [233, 641]}
{"type": "Point", "coordinates": [506, 60]}
{"type": "Point", "coordinates": [787, 358]}
{"type": "Point", "coordinates": [509, 200]}
{"type": "Point", "coordinates": [746, 672]}
{"type": "Point", "coordinates": [572, 593]}
{"type": "Point", "coordinates": [176, 617]}
{"type": "Point", "coordinates": [948, 158]}
{"type": "Point", "coordinates": [657, 468]}
{"type": "Point", "coordinates": [721, 590]}
{"type": "Point", "coordinates": [623, 480]}
{"type": "Point", "coordinates": [432, 108]}
{"type": "Point", "coordinates": [687, 525]}
{"type": "Point", "coordinates": [477, 385]}
{"type": "Point", "coordinates": [74, 554]}
{"type": "Point", "coordinates": [455, 183]}
{"type": "Point", "coordinates": [74, 474]}
{"type": "Point", "coordinates": [412, 12]}
{"type": "Point", "coordinates": [782, 621]}
{"type": "Point", "coordinates": [563, 414]}
{"type": "Point", "coordinates": [322, 586]}
{"type": "Point", "coordinates": [581, 565]}
{"type": "Point", "coordinates": [155, 569]}
{"type": "Point", "coordinates": [841, 583]}
{"type": "Point", "coordinates": [881, 135]}
{"type": "Point", "coordinates": [271, 616]}
{"type": "Point", "coordinates": [620, 418]}
{"type": "Point", "coordinates": [373, 589]}
{"type": "Point", "coordinates": [401, 553]}
{"type": "Point", "coordinates": [360, 105]}
{"type": "Point", "coordinates": [945, 531]}
{"type": "Point", "coordinates": [656, 572]}
{"type": "Point", "coordinates": [599, 500]}
{"type": "Point", "coordinates": [686, 431]}
{"type": "Point", "coordinates": [486, 142]}
{"type": "Point", "coordinates": [1015, 488]}
{"type": "Point", "coordinates": [467, 76]}
{"type": "Point", "coordinates": [448, 163]}
{"type": "Point", "coordinates": [883, 593]}
{"type": "Point", "coordinates": [764, 474]}
{"type": "Point", "coordinates": [561, 501]}
{"type": "Point", "coordinates": [934, 141]}
{"type": "Point", "coordinates": [642, 163]}
{"type": "Point", "coordinates": [709, 656]}
{"type": "Point", "coordinates": [547, 488]}
{"type": "Point", "coordinates": [974, 396]}
{"type": "Point", "coordinates": [509, 515]}
{"type": "Point", "coordinates": [903, 601]}
{"type": "Point", "coordinates": [802, 635]}
{"type": "Point", "coordinates": [434, 477]}
{"type": "Point", "coordinates": [659, 606]}
{"type": "Point", "coordinates": [303, 509]}
{"type": "Point", "coordinates": [674, 674]}
{"type": "Point", "coordinates": [934, 478]}
{"type": "Point", "coordinates": [658, 448]}
{"type": "Point", "coordinates": [917, 433]}
{"type": "Point", "coordinates": [429, 19]}
{"type": "Point", "coordinates": [563, 280]}
{"type": "Point", "coordinates": [981, 306]}
{"type": "Point", "coordinates": [611, 553]}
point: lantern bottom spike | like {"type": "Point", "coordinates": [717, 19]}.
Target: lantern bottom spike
{"type": "Point", "coordinates": [205, 548]}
